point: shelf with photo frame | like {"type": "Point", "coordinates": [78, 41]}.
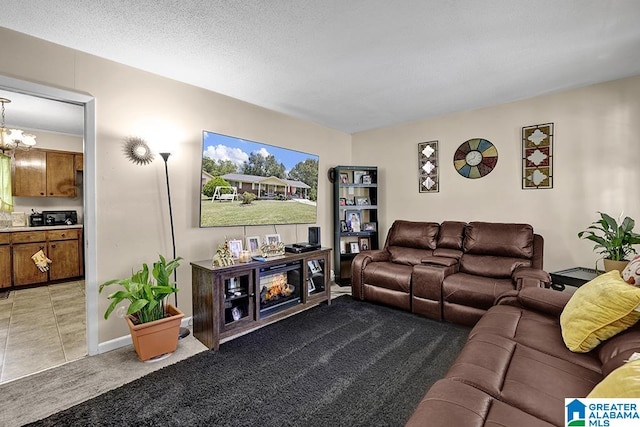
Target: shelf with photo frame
{"type": "Point", "coordinates": [356, 215]}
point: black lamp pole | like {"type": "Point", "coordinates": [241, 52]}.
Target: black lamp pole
{"type": "Point", "coordinates": [165, 156]}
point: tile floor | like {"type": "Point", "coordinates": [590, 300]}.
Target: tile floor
{"type": "Point", "coordinates": [41, 328]}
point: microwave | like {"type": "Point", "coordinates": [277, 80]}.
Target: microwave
{"type": "Point", "coordinates": [60, 217]}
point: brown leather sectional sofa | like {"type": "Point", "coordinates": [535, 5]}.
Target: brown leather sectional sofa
{"type": "Point", "coordinates": [515, 369]}
{"type": "Point", "coordinates": [452, 271]}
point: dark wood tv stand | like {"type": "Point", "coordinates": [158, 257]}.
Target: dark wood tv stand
{"type": "Point", "coordinates": [234, 299]}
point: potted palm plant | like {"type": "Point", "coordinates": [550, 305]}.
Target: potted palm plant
{"type": "Point", "coordinates": [154, 324]}
{"type": "Point", "coordinates": [614, 242]}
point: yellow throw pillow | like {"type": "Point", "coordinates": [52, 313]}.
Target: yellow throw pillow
{"type": "Point", "coordinates": [599, 310]}
{"type": "Point", "coordinates": [622, 382]}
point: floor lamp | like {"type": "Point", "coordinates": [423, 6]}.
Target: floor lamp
{"type": "Point", "coordinates": [184, 332]}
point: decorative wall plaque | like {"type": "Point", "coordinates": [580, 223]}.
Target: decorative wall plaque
{"type": "Point", "coordinates": [428, 181]}
{"type": "Point", "coordinates": [537, 156]}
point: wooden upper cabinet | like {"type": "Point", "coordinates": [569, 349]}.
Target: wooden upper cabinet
{"type": "Point", "coordinates": [61, 174]}
{"type": "Point", "coordinates": [44, 173]}
{"type": "Point", "coordinates": [79, 162]}
{"type": "Point", "coordinates": [30, 173]}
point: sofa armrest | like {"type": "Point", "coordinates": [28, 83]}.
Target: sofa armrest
{"type": "Point", "coordinates": [530, 277]}
{"type": "Point", "coordinates": [358, 265]}
{"type": "Point", "coordinates": [439, 260]}
{"type": "Point", "coordinates": [544, 300]}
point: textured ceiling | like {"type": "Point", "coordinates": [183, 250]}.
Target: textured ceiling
{"type": "Point", "coordinates": [358, 64]}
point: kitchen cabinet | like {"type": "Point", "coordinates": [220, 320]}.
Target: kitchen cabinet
{"type": "Point", "coordinates": [63, 249]}
{"type": "Point", "coordinates": [79, 162]}
{"type": "Point", "coordinates": [44, 173]}
{"type": "Point", "coordinates": [5, 260]}
{"type": "Point", "coordinates": [62, 246]}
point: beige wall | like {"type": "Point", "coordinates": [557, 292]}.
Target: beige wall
{"type": "Point", "coordinates": [596, 153]}
{"type": "Point", "coordinates": [132, 214]}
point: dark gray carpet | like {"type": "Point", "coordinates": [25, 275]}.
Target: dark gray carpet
{"type": "Point", "coordinates": [348, 364]}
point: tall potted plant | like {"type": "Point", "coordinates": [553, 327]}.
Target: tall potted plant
{"type": "Point", "coordinates": [154, 324]}
{"type": "Point", "coordinates": [614, 242]}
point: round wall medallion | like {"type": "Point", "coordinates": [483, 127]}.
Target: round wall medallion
{"type": "Point", "coordinates": [475, 158]}
{"type": "Point", "coordinates": [137, 150]}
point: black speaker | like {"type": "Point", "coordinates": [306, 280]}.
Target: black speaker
{"type": "Point", "coordinates": [314, 236]}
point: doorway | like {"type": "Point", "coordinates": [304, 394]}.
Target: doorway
{"type": "Point", "coordinates": [87, 288]}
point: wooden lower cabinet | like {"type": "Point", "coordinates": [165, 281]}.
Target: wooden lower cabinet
{"type": "Point", "coordinates": [66, 261]}
{"type": "Point", "coordinates": [63, 247]}
{"type": "Point", "coordinates": [25, 271]}
{"type": "Point", "coordinates": [5, 266]}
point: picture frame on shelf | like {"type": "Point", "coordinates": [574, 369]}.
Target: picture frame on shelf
{"type": "Point", "coordinates": [235, 247]}
{"type": "Point", "coordinates": [343, 247]}
{"type": "Point", "coordinates": [344, 227]}
{"type": "Point", "coordinates": [311, 287]}
{"type": "Point", "coordinates": [314, 266]}
{"type": "Point", "coordinates": [362, 201]}
{"type": "Point", "coordinates": [357, 176]}
{"type": "Point", "coordinates": [354, 248]}
{"type": "Point", "coordinates": [343, 201]}
{"type": "Point", "coordinates": [370, 226]}
{"type": "Point", "coordinates": [365, 243]}
{"type": "Point", "coordinates": [253, 244]}
{"type": "Point", "coordinates": [366, 179]}
{"type": "Point", "coordinates": [236, 313]}
{"type": "Point", "coordinates": [353, 220]}
{"type": "Point", "coordinates": [272, 239]}
{"type": "Point", "coordinates": [350, 202]}
{"type": "Point", "coordinates": [344, 178]}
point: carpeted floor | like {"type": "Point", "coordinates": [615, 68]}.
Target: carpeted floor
{"type": "Point", "coordinates": [352, 363]}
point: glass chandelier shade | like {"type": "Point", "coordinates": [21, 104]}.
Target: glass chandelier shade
{"type": "Point", "coordinates": [12, 139]}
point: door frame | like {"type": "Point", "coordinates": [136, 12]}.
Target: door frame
{"type": "Point", "coordinates": [88, 102]}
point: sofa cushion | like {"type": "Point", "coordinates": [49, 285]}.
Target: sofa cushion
{"type": "Point", "coordinates": [453, 403]}
{"type": "Point", "coordinates": [411, 234]}
{"type": "Point", "coordinates": [521, 376]}
{"type": "Point", "coordinates": [624, 382]}
{"type": "Point", "coordinates": [504, 240]}
{"type": "Point", "coordinates": [451, 235]}
{"type": "Point", "coordinates": [389, 275]}
{"type": "Point", "coordinates": [617, 350]}
{"type": "Point", "coordinates": [533, 329]}
{"type": "Point", "coordinates": [473, 291]}
{"type": "Point", "coordinates": [598, 310]}
{"type": "Point", "coordinates": [492, 266]}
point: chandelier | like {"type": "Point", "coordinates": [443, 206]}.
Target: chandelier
{"type": "Point", "coordinates": [12, 139]}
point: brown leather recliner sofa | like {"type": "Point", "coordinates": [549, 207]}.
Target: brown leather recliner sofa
{"type": "Point", "coordinates": [515, 369]}
{"type": "Point", "coordinates": [452, 271]}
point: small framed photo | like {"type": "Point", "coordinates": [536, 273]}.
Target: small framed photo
{"type": "Point", "coordinates": [344, 178]}
{"type": "Point", "coordinates": [344, 228]}
{"type": "Point", "coordinates": [361, 201]}
{"type": "Point", "coordinates": [370, 226]}
{"type": "Point", "coordinates": [353, 220]}
{"type": "Point", "coordinates": [310, 285]}
{"type": "Point", "coordinates": [236, 313]}
{"type": "Point", "coordinates": [366, 179]}
{"type": "Point", "coordinates": [343, 201]}
{"type": "Point", "coordinates": [350, 202]}
{"type": "Point", "coordinates": [354, 247]}
{"type": "Point", "coordinates": [235, 247]}
{"type": "Point", "coordinates": [253, 244]}
{"type": "Point", "coordinates": [272, 239]}
{"type": "Point", "coordinates": [314, 266]}
{"type": "Point", "coordinates": [365, 243]}
{"type": "Point", "coordinates": [357, 176]}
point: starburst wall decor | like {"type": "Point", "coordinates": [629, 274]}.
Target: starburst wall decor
{"type": "Point", "coordinates": [537, 156]}
{"type": "Point", "coordinates": [428, 181]}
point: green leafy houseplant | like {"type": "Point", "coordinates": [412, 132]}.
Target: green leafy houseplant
{"type": "Point", "coordinates": [613, 241]}
{"type": "Point", "coordinates": [146, 293]}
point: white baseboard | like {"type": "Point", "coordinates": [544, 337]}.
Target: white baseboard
{"type": "Point", "coordinates": [124, 341]}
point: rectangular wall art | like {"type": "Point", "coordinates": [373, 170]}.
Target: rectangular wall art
{"type": "Point", "coordinates": [428, 181]}
{"type": "Point", "coordinates": [537, 156]}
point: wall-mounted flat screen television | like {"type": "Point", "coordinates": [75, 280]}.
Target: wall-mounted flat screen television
{"type": "Point", "coordinates": [251, 183]}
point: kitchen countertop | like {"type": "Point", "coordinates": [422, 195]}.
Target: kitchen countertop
{"type": "Point", "coordinates": [43, 228]}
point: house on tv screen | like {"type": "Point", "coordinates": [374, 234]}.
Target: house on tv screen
{"type": "Point", "coordinates": [267, 187]}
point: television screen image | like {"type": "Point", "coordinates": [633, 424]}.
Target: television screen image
{"type": "Point", "coordinates": [251, 183]}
